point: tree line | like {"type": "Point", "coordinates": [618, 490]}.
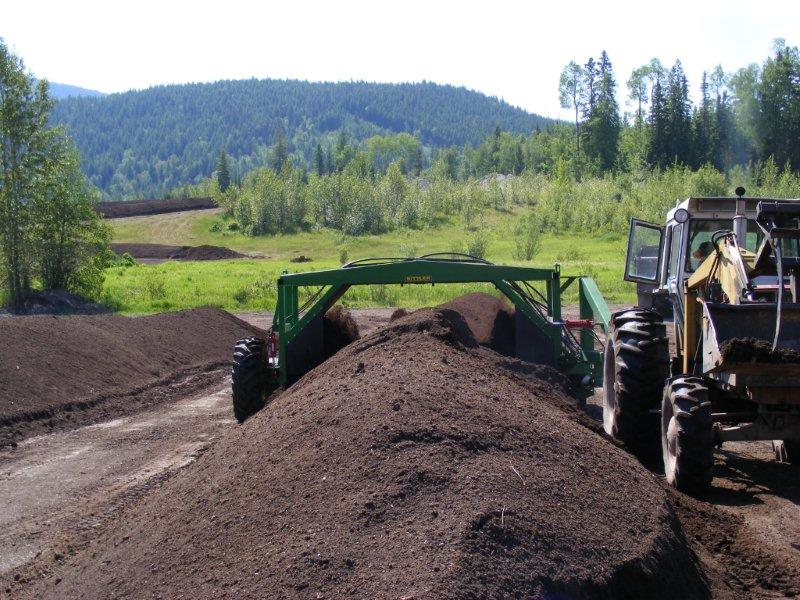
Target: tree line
{"type": "Point", "coordinates": [746, 116]}
{"type": "Point", "coordinates": [144, 143]}
{"type": "Point", "coordinates": [50, 234]}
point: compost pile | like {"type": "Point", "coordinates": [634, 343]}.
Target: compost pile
{"type": "Point", "coordinates": [166, 252]}
{"type": "Point", "coordinates": [68, 370]}
{"type": "Point", "coordinates": [746, 350]}
{"type": "Point", "coordinates": [415, 463]}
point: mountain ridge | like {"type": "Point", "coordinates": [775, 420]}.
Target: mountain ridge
{"type": "Point", "coordinates": [146, 142]}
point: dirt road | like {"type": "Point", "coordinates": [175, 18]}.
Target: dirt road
{"type": "Point", "coordinates": [57, 487]}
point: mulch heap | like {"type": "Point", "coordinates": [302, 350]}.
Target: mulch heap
{"type": "Point", "coordinates": [62, 371]}
{"type": "Point", "coordinates": [166, 252]}
{"type": "Point", "coordinates": [747, 350]}
{"type": "Point", "coordinates": [414, 463]}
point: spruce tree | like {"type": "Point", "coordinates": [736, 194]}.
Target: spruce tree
{"type": "Point", "coordinates": [604, 125]}
{"type": "Point", "coordinates": [679, 124]}
{"type": "Point", "coordinates": [319, 160]}
{"type": "Point", "coordinates": [702, 149]}
{"type": "Point", "coordinates": [280, 150]}
{"type": "Point", "coordinates": [657, 151]}
{"type": "Point", "coordinates": [223, 172]}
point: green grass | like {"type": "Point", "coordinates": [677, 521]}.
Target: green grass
{"type": "Point", "coordinates": [249, 284]}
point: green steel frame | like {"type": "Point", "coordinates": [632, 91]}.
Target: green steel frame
{"type": "Point", "coordinates": [581, 361]}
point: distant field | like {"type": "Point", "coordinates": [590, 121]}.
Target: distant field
{"type": "Point", "coordinates": [248, 284]}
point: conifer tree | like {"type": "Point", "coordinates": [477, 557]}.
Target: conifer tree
{"type": "Point", "coordinates": [319, 160]}
{"type": "Point", "coordinates": [223, 172]}
{"type": "Point", "coordinates": [702, 149]}
{"type": "Point", "coordinates": [657, 152]}
{"type": "Point", "coordinates": [602, 139]}
{"type": "Point", "coordinates": [280, 150]}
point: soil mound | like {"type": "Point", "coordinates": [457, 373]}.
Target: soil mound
{"type": "Point", "coordinates": [412, 464]}
{"type": "Point", "coordinates": [339, 329]}
{"type": "Point", "coordinates": [165, 252]}
{"type": "Point", "coordinates": [61, 370]}
{"type": "Point", "coordinates": [490, 318]}
{"type": "Point", "coordinates": [115, 210]}
{"type": "Point", "coordinates": [398, 313]}
{"type": "Point", "coordinates": [60, 302]}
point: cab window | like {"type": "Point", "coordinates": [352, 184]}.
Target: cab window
{"type": "Point", "coordinates": [675, 250]}
{"type": "Point", "coordinates": [700, 245]}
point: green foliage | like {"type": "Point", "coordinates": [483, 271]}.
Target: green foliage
{"type": "Point", "coordinates": [528, 237]}
{"type": "Point", "coordinates": [478, 243]}
{"type": "Point", "coordinates": [49, 230]}
{"type": "Point", "coordinates": [145, 143]}
{"type": "Point", "coordinates": [223, 172]}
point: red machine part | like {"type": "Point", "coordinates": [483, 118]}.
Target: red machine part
{"type": "Point", "coordinates": [272, 345]}
{"type": "Point", "coordinates": [579, 323]}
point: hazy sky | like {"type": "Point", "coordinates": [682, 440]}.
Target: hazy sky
{"type": "Point", "coordinates": [514, 50]}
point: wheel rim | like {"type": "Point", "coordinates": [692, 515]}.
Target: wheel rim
{"type": "Point", "coordinates": [609, 390]}
{"type": "Point", "coordinates": [669, 439]}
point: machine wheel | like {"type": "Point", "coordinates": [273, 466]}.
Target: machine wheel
{"type": "Point", "coordinates": [787, 451]}
{"type": "Point", "coordinates": [792, 448]}
{"type": "Point", "coordinates": [687, 437]}
{"type": "Point", "coordinates": [636, 364]}
{"type": "Point", "coordinates": [248, 377]}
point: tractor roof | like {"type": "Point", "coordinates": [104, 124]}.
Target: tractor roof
{"type": "Point", "coordinates": [716, 207]}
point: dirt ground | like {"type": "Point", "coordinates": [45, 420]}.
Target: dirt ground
{"type": "Point", "coordinates": [56, 490]}
{"type": "Point", "coordinates": [62, 486]}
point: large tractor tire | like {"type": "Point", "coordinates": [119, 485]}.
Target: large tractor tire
{"type": "Point", "coordinates": [687, 436]}
{"type": "Point", "coordinates": [249, 377]}
{"type": "Point", "coordinates": [787, 451]}
{"type": "Point", "coordinates": [636, 365]}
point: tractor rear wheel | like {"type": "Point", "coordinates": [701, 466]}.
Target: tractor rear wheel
{"type": "Point", "coordinates": [636, 364]}
{"type": "Point", "coordinates": [787, 451]}
{"type": "Point", "coordinates": [792, 451]}
{"type": "Point", "coordinates": [687, 436]}
{"type": "Point", "coordinates": [249, 377]}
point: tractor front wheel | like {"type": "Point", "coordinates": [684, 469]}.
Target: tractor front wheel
{"type": "Point", "coordinates": [687, 436]}
{"type": "Point", "coordinates": [249, 377]}
{"type": "Point", "coordinates": [636, 364]}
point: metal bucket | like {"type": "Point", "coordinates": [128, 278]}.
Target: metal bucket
{"type": "Point", "coordinates": [730, 330]}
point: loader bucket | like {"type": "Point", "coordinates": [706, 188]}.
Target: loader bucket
{"type": "Point", "coordinates": [738, 339]}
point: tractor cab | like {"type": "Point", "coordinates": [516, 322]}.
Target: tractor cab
{"type": "Point", "coordinates": [661, 257]}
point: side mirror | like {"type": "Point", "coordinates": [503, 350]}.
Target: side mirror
{"type": "Point", "coordinates": [643, 261]}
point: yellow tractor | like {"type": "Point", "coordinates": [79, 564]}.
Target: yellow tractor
{"type": "Point", "coordinates": [724, 272]}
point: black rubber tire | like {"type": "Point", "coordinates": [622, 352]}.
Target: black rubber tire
{"type": "Point", "coordinates": [792, 450]}
{"type": "Point", "coordinates": [687, 435]}
{"type": "Point", "coordinates": [249, 377]}
{"type": "Point", "coordinates": [636, 367]}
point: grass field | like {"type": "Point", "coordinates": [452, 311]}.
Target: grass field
{"type": "Point", "coordinates": [249, 284]}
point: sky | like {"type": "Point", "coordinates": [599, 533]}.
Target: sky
{"type": "Point", "coordinates": [512, 50]}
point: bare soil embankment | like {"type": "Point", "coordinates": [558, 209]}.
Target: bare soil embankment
{"type": "Point", "coordinates": [65, 371]}
{"type": "Point", "coordinates": [134, 208]}
{"type": "Point", "coordinates": [166, 252]}
{"type": "Point", "coordinates": [415, 463]}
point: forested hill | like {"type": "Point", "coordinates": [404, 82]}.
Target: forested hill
{"type": "Point", "coordinates": [144, 143]}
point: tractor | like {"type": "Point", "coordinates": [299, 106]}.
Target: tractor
{"type": "Point", "coordinates": [724, 272]}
